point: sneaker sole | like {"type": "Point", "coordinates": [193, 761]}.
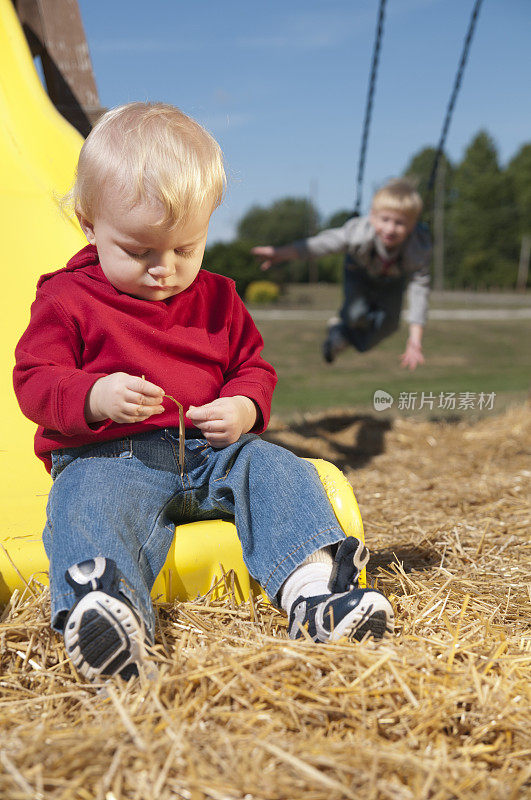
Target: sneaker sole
{"type": "Point", "coordinates": [103, 637]}
{"type": "Point", "coordinates": [373, 616]}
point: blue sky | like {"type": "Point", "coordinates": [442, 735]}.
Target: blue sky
{"type": "Point", "coordinates": [282, 83]}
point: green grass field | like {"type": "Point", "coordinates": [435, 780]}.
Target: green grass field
{"type": "Point", "coordinates": [328, 296]}
{"type": "Point", "coordinates": [461, 356]}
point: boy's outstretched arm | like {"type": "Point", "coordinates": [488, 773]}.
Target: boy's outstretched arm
{"type": "Point", "coordinates": [224, 420]}
{"type": "Point", "coordinates": [324, 243]}
{"type": "Point", "coordinates": [275, 255]}
{"type": "Point", "coordinates": [413, 356]}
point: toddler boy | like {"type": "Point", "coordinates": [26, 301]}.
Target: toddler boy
{"type": "Point", "coordinates": [385, 252]}
{"type": "Point", "coordinates": [131, 319]}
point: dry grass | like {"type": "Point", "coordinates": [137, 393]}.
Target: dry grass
{"type": "Point", "coordinates": [440, 711]}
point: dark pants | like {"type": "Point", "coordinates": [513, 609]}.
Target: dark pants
{"type": "Point", "coordinates": [371, 308]}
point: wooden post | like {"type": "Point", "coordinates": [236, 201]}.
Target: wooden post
{"type": "Point", "coordinates": [523, 266]}
{"type": "Point", "coordinates": [438, 226]}
{"type": "Point", "coordinates": [55, 33]}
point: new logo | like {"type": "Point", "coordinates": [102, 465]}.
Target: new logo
{"type": "Point", "coordinates": [382, 400]}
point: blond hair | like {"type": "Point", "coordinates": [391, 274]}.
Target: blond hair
{"type": "Point", "coordinates": [399, 194]}
{"type": "Point", "coordinates": [150, 152]}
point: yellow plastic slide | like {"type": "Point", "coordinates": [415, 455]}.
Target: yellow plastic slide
{"type": "Point", "coordinates": [38, 153]}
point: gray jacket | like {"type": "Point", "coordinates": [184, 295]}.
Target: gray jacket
{"type": "Point", "coordinates": [357, 238]}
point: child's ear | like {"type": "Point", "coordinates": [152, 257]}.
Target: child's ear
{"type": "Point", "coordinates": [87, 228]}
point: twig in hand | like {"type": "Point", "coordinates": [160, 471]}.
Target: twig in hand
{"type": "Point", "coordinates": [181, 429]}
{"type": "Point", "coordinates": [181, 432]}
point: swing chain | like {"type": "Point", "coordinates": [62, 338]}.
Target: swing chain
{"type": "Point", "coordinates": [368, 108]}
{"type": "Point", "coordinates": [455, 91]}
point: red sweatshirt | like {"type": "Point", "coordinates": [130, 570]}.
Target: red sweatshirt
{"type": "Point", "coordinates": [197, 345]}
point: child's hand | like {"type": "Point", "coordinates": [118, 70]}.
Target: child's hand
{"type": "Point", "coordinates": [266, 254]}
{"type": "Point", "coordinates": [274, 255]}
{"type": "Point", "coordinates": [123, 398]}
{"type": "Point", "coordinates": [223, 421]}
{"type": "Point", "coordinates": [413, 356]}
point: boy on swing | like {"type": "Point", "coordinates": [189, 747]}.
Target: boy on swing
{"type": "Point", "coordinates": [132, 318]}
{"type": "Point", "coordinates": [385, 252]}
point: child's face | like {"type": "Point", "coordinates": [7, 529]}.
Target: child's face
{"type": "Point", "coordinates": [143, 260]}
{"type": "Point", "coordinates": [392, 227]}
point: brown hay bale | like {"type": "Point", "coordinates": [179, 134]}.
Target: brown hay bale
{"type": "Point", "coordinates": [439, 711]}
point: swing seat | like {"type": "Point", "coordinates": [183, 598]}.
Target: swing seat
{"type": "Point", "coordinates": [201, 552]}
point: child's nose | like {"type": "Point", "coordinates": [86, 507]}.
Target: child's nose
{"type": "Point", "coordinates": [159, 271]}
{"type": "Point", "coordinates": [162, 268]}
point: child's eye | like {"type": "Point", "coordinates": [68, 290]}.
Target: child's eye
{"type": "Point", "coordinates": [135, 255]}
{"type": "Point", "coordinates": [184, 253]}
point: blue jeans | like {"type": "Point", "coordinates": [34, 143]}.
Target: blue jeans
{"type": "Point", "coordinates": [371, 308]}
{"type": "Point", "coordinates": [121, 500]}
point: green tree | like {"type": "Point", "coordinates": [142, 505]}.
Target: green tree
{"type": "Point", "coordinates": [419, 170]}
{"type": "Point", "coordinates": [284, 221]}
{"type": "Point", "coordinates": [338, 219]}
{"type": "Point", "coordinates": [234, 260]}
{"type": "Point", "coordinates": [483, 248]}
{"type": "Point", "coordinates": [519, 172]}
{"type": "Point", "coordinates": [281, 223]}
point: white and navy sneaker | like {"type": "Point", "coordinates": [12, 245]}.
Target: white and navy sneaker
{"type": "Point", "coordinates": [354, 614]}
{"type": "Point", "coordinates": [103, 633]}
{"type": "Point", "coordinates": [347, 610]}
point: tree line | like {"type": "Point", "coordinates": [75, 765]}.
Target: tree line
{"type": "Point", "coordinates": [484, 214]}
